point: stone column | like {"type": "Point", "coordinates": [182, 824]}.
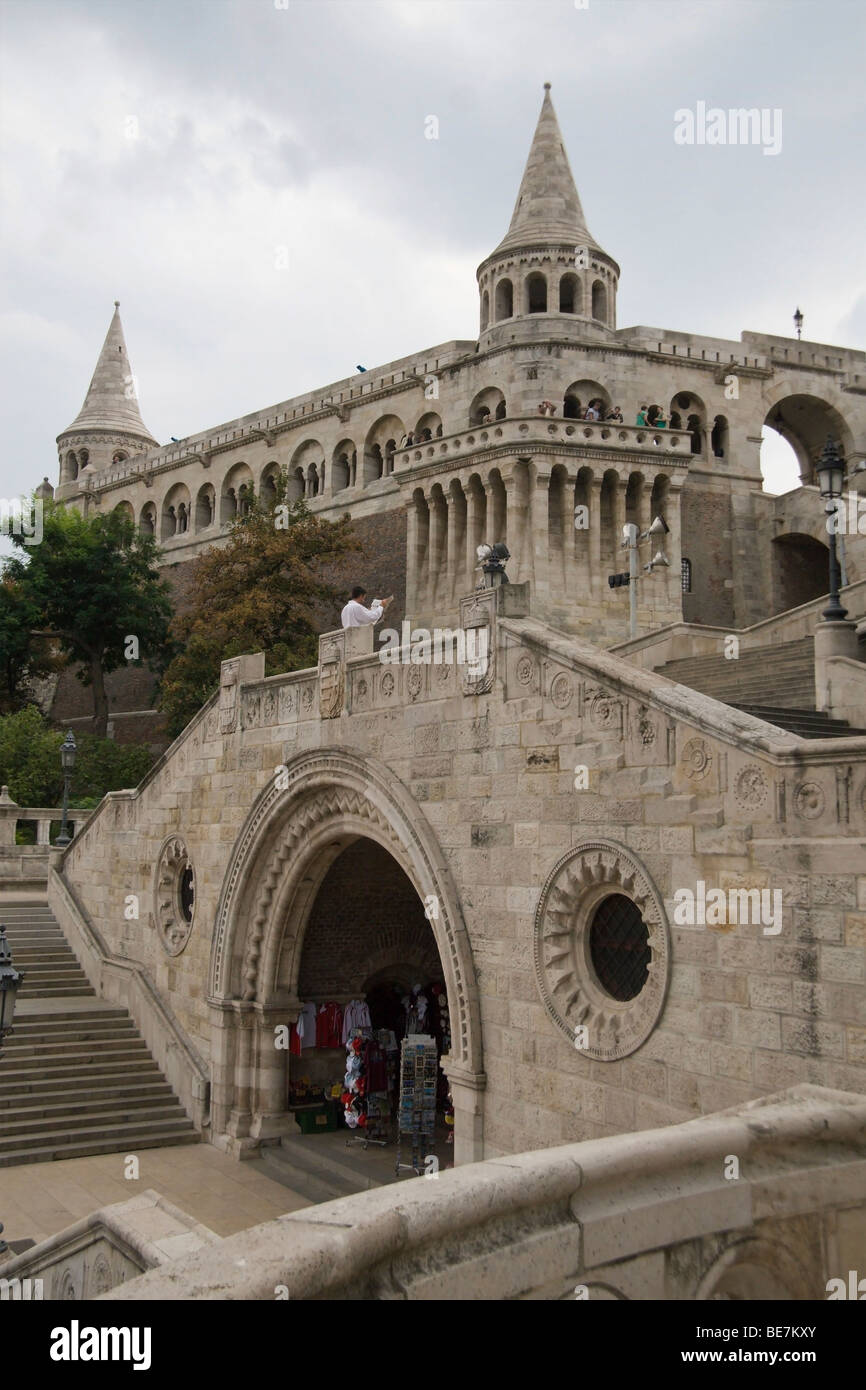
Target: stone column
{"type": "Point", "coordinates": [570, 578]}
{"type": "Point", "coordinates": [540, 539]}
{"type": "Point", "coordinates": [673, 547]}
{"type": "Point", "coordinates": [436, 543]}
{"type": "Point", "coordinates": [473, 534]}
{"type": "Point", "coordinates": [451, 566]}
{"type": "Point", "coordinates": [596, 579]}
{"type": "Point", "coordinates": [271, 1116]}
{"type": "Point", "coordinates": [618, 522]}
{"type": "Point", "coordinates": [241, 1116]}
{"type": "Point", "coordinates": [412, 558]}
{"type": "Point", "coordinates": [467, 1093]}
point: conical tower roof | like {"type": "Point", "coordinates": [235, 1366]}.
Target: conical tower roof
{"type": "Point", "coordinates": [548, 207]}
{"type": "Point", "coordinates": [111, 403]}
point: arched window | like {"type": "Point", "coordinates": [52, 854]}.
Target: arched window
{"type": "Point", "coordinates": [719, 437]}
{"type": "Point", "coordinates": [571, 408]}
{"type": "Point", "coordinates": [676, 420]}
{"type": "Point", "coordinates": [686, 569]}
{"type": "Point", "coordinates": [504, 300]}
{"type": "Point", "coordinates": [599, 301]}
{"type": "Point", "coordinates": [536, 294]}
{"type": "Point", "coordinates": [118, 457]}
{"type": "Point", "coordinates": [569, 286]}
{"type": "Point", "coordinates": [500, 411]}
{"type": "Point", "coordinates": [485, 309]}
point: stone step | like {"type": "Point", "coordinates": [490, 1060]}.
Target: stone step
{"type": "Point", "coordinates": [83, 1030]}
{"type": "Point", "coordinates": [56, 992]}
{"type": "Point", "coordinates": [44, 1069]}
{"type": "Point", "coordinates": [57, 1105]}
{"type": "Point", "coordinates": [109, 1085]}
{"type": "Point", "coordinates": [126, 1138]}
{"type": "Point", "coordinates": [84, 1119]}
{"type": "Point", "coordinates": [19, 1050]}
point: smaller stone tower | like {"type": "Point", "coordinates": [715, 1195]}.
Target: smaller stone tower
{"type": "Point", "coordinates": [108, 428]}
{"type": "Point", "coordinates": [548, 276]}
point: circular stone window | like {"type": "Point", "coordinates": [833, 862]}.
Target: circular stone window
{"type": "Point", "coordinates": [174, 895]}
{"type": "Point", "coordinates": [619, 947]}
{"type": "Point", "coordinates": [602, 950]}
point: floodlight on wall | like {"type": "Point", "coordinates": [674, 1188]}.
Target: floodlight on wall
{"type": "Point", "coordinates": [659, 527]}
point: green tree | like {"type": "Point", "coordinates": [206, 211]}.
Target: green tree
{"type": "Point", "coordinates": [93, 585]}
{"type": "Point", "coordinates": [265, 590]}
{"type": "Point", "coordinates": [30, 762]}
{"type": "Point", "coordinates": [24, 658]}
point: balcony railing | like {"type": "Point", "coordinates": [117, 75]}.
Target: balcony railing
{"type": "Point", "coordinates": [529, 430]}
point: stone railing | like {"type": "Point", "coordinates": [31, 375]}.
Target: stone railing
{"type": "Point", "coordinates": [764, 1201]}
{"type": "Point", "coordinates": [103, 1250]}
{"type": "Point", "coordinates": [26, 866]}
{"type": "Point", "coordinates": [520, 431]}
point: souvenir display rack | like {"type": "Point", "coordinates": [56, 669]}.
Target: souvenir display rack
{"type": "Point", "coordinates": [371, 1111]}
{"type": "Point", "coordinates": [416, 1116]}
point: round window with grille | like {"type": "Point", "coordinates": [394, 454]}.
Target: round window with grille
{"type": "Point", "coordinates": [619, 947]}
{"type": "Point", "coordinates": [602, 949]}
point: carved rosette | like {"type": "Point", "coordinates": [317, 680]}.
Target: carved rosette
{"type": "Point", "coordinates": [174, 895]}
{"type": "Point", "coordinates": [809, 800]}
{"type": "Point", "coordinates": [567, 981]}
{"type": "Point", "coordinates": [696, 759]}
{"type": "Point", "coordinates": [750, 787]}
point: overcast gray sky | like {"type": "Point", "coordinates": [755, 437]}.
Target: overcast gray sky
{"type": "Point", "coordinates": [158, 151]}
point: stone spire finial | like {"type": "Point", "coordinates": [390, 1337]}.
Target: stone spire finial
{"type": "Point", "coordinates": [548, 207]}
{"type": "Point", "coordinates": [111, 403]}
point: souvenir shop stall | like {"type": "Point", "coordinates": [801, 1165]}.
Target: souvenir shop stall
{"type": "Point", "coordinates": [371, 1065]}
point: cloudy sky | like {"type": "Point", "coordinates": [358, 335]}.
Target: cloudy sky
{"type": "Point", "coordinates": [161, 152]}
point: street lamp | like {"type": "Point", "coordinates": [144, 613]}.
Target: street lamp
{"type": "Point", "coordinates": [10, 980]}
{"type": "Point", "coordinates": [798, 322]}
{"type": "Point", "coordinates": [491, 560]}
{"type": "Point", "coordinates": [67, 759]}
{"type": "Point", "coordinates": [830, 468]}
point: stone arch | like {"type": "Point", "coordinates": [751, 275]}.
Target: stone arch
{"type": "Point", "coordinates": [70, 468]}
{"type": "Point", "coordinates": [291, 837]}
{"type": "Point", "coordinates": [504, 299]}
{"type": "Point", "coordinates": [581, 394]}
{"type": "Point", "coordinates": [804, 421]}
{"type": "Point", "coordinates": [487, 405]}
{"type": "Point", "coordinates": [307, 465]}
{"type": "Point", "coordinates": [205, 507]}
{"type": "Point", "coordinates": [236, 492]}
{"type": "Point", "coordinates": [175, 512]}
{"type": "Point", "coordinates": [535, 293]}
{"type": "Point", "coordinates": [124, 509]}
{"type": "Point", "coordinates": [380, 446]}
{"type": "Point", "coordinates": [719, 437]}
{"type": "Point", "coordinates": [344, 463]}
{"type": "Point", "coordinates": [800, 569]}
{"type": "Point", "coordinates": [599, 301]}
{"type": "Point", "coordinates": [756, 1269]}
{"type": "Point", "coordinates": [428, 427]}
{"type": "Point", "coordinates": [485, 310]}
{"type": "Point", "coordinates": [147, 519]}
{"type": "Point", "coordinates": [268, 482]}
{"type": "Point", "coordinates": [570, 293]}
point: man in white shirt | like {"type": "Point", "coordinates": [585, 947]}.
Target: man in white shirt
{"type": "Point", "coordinates": [356, 615]}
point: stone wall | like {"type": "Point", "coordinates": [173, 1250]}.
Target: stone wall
{"type": "Point", "coordinates": [672, 789]}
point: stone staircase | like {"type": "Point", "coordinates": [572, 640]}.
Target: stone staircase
{"type": "Point", "coordinates": [776, 684]}
{"type": "Point", "coordinates": [76, 1078]}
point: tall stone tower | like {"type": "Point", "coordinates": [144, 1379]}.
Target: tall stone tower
{"type": "Point", "coordinates": [548, 272]}
{"type": "Point", "coordinates": [108, 428]}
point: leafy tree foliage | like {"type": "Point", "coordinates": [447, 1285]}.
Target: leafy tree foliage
{"type": "Point", "coordinates": [92, 584]}
{"type": "Point", "coordinates": [30, 762]}
{"type": "Point", "coordinates": [264, 590]}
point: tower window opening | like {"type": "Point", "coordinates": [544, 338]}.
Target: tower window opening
{"type": "Point", "coordinates": [619, 947]}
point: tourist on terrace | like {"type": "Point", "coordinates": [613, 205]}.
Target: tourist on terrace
{"type": "Point", "coordinates": [660, 423]}
{"type": "Point", "coordinates": [592, 411]}
{"type": "Point", "coordinates": [356, 615]}
{"type": "Point", "coordinates": [615, 414]}
{"type": "Point", "coordinates": [641, 416]}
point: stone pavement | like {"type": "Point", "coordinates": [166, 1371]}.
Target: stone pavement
{"type": "Point", "coordinates": [39, 1199]}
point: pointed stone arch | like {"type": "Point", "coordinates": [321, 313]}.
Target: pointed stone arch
{"type": "Point", "coordinates": [325, 800]}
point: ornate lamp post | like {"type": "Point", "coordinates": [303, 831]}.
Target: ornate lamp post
{"type": "Point", "coordinates": [10, 980]}
{"type": "Point", "coordinates": [798, 322]}
{"type": "Point", "coordinates": [67, 758]}
{"type": "Point", "coordinates": [830, 468]}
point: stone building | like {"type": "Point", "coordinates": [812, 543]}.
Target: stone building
{"type": "Point", "coordinates": [543, 833]}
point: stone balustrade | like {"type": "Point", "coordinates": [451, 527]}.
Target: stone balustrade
{"type": "Point", "coordinates": [766, 1200]}
{"type": "Point", "coordinates": [531, 430]}
{"type": "Point", "coordinates": [22, 865]}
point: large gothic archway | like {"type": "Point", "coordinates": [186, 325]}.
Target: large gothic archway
{"type": "Point", "coordinates": [322, 802]}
